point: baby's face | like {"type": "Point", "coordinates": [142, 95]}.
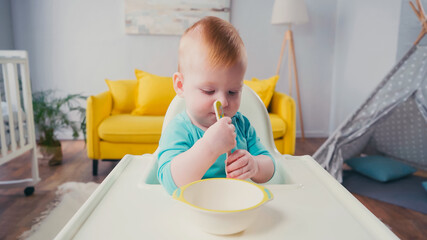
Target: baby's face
{"type": "Point", "coordinates": [203, 85]}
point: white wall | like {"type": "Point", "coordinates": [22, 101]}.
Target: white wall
{"type": "Point", "coordinates": [6, 33]}
{"type": "Point", "coordinates": [365, 50]}
{"type": "Point", "coordinates": [74, 45]}
{"type": "Point", "coordinates": [313, 43]}
{"type": "Point", "coordinates": [342, 53]}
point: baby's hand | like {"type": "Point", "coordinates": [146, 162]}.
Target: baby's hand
{"type": "Point", "coordinates": [221, 136]}
{"type": "Point", "coordinates": [241, 164]}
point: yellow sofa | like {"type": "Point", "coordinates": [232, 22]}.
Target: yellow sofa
{"type": "Point", "coordinates": [112, 134]}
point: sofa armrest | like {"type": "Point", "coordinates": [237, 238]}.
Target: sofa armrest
{"type": "Point", "coordinates": [98, 108]}
{"type": "Point", "coordinates": [284, 106]}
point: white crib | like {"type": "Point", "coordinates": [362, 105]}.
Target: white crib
{"type": "Point", "coordinates": [17, 134]}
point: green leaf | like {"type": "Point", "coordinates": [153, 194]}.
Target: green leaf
{"type": "Point", "coordinates": [52, 114]}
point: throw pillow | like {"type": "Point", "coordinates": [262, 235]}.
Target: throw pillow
{"type": "Point", "coordinates": [424, 185]}
{"type": "Point", "coordinates": [154, 95]}
{"type": "Point", "coordinates": [263, 88]}
{"type": "Point", "coordinates": [123, 92]}
{"type": "Point", "coordinates": [380, 168]}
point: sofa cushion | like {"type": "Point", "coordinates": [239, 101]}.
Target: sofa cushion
{"type": "Point", "coordinates": [154, 94]}
{"type": "Point", "coordinates": [123, 93]}
{"type": "Point", "coordinates": [127, 128]}
{"type": "Point", "coordinates": [263, 88]}
{"type": "Point", "coordinates": [278, 125]}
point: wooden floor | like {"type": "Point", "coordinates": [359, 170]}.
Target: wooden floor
{"type": "Point", "coordinates": [17, 212]}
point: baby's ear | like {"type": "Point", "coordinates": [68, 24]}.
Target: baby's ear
{"type": "Point", "coordinates": [178, 83]}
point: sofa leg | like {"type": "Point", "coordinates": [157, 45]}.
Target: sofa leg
{"type": "Point", "coordinates": [95, 167]}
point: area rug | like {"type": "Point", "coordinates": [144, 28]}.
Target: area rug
{"type": "Point", "coordinates": [70, 197]}
{"type": "Point", "coordinates": [407, 192]}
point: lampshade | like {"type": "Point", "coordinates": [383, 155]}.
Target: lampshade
{"type": "Point", "coordinates": [289, 12]}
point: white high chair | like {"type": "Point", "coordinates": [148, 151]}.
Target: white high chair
{"type": "Point", "coordinates": [308, 203]}
{"type": "Point", "coordinates": [251, 106]}
{"type": "Point", "coordinates": [254, 109]}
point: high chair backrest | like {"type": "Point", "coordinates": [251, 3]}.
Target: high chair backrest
{"type": "Point", "coordinates": [251, 106]}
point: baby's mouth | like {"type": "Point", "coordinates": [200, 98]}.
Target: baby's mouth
{"type": "Point", "coordinates": [214, 114]}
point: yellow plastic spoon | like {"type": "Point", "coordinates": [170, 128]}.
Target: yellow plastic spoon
{"type": "Point", "coordinates": [219, 113]}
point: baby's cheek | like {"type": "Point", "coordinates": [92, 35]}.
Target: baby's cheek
{"type": "Point", "coordinates": [203, 105]}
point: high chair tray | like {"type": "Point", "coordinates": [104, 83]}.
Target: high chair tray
{"type": "Point", "coordinates": [309, 204]}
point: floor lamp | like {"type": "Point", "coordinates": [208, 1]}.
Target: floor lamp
{"type": "Point", "coordinates": [290, 12]}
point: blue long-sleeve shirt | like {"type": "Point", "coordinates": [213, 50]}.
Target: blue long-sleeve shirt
{"type": "Point", "coordinates": [180, 135]}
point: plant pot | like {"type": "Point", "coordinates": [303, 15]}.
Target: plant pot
{"type": "Point", "coordinates": [53, 154]}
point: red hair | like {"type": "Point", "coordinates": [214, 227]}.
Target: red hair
{"type": "Point", "coordinates": [222, 41]}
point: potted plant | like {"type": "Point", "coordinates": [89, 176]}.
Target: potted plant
{"type": "Point", "coordinates": [52, 114]}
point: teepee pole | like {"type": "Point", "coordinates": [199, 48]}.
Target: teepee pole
{"type": "Point", "coordinates": [422, 17]}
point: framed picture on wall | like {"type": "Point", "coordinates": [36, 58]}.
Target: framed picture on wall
{"type": "Point", "coordinates": [170, 17]}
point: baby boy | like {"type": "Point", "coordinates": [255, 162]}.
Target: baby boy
{"type": "Point", "coordinates": [211, 66]}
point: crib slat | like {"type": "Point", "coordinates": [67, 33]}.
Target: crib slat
{"type": "Point", "coordinates": [2, 127]}
{"type": "Point", "coordinates": [10, 110]}
{"type": "Point", "coordinates": [28, 105]}
{"type": "Point", "coordinates": [17, 183]}
{"type": "Point", "coordinates": [11, 61]}
{"type": "Point", "coordinates": [19, 106]}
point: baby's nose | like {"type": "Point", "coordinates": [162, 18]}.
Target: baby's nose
{"type": "Point", "coordinates": [223, 100]}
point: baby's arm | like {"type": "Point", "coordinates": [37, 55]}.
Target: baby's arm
{"type": "Point", "coordinates": [242, 165]}
{"type": "Point", "coordinates": [192, 164]}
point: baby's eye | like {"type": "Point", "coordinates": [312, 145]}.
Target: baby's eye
{"type": "Point", "coordinates": [232, 92]}
{"type": "Point", "coordinates": [208, 92]}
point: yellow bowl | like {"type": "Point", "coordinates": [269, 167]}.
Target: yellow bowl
{"type": "Point", "coordinates": [223, 205]}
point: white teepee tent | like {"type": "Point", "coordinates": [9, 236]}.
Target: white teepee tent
{"type": "Point", "coordinates": [392, 121]}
